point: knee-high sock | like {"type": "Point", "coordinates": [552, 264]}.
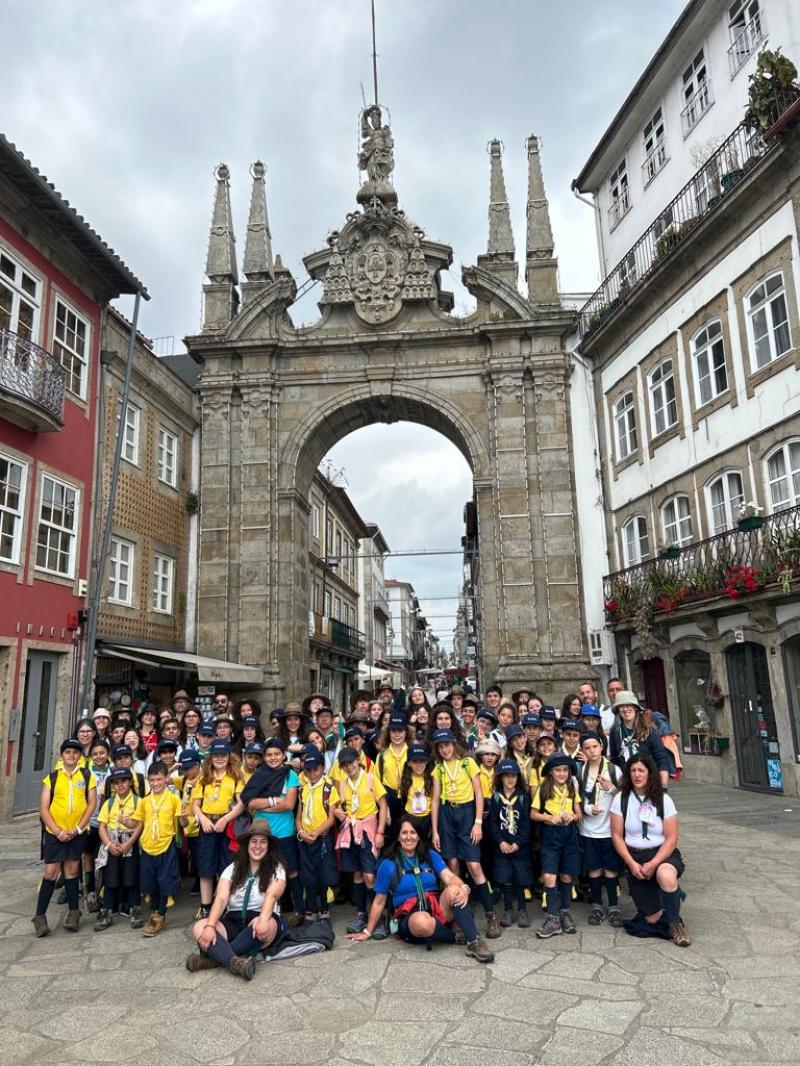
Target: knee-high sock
{"type": "Point", "coordinates": [73, 895]}
{"type": "Point", "coordinates": [612, 890]}
{"type": "Point", "coordinates": [596, 889]}
{"type": "Point", "coordinates": [552, 899]}
{"type": "Point", "coordinates": [296, 893]}
{"type": "Point", "coordinates": [672, 905]}
{"type": "Point", "coordinates": [245, 942]}
{"type": "Point", "coordinates": [484, 897]}
{"type": "Point", "coordinates": [465, 920]}
{"type": "Point", "coordinates": [522, 903]}
{"type": "Point", "coordinates": [508, 896]}
{"type": "Point", "coordinates": [89, 881]}
{"type": "Point", "coordinates": [565, 892]}
{"type": "Point", "coordinates": [360, 896]}
{"type": "Point", "coordinates": [221, 951]}
{"type": "Point", "coordinates": [46, 890]}
{"type": "Point", "coordinates": [109, 899]}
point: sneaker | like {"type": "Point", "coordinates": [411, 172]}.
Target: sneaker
{"type": "Point", "coordinates": [493, 928]}
{"type": "Point", "coordinates": [507, 920]}
{"type": "Point", "coordinates": [91, 903]}
{"type": "Point", "coordinates": [523, 918]}
{"type": "Point", "coordinates": [243, 967]}
{"type": "Point", "coordinates": [72, 921]}
{"type": "Point", "coordinates": [155, 925]}
{"type": "Point", "coordinates": [479, 950]}
{"type": "Point", "coordinates": [567, 921]}
{"type": "Point", "coordinates": [550, 927]}
{"type": "Point", "coordinates": [598, 916]}
{"type": "Point", "coordinates": [104, 921]}
{"type": "Point", "coordinates": [357, 924]}
{"type": "Point", "coordinates": [196, 962]}
{"type": "Point", "coordinates": [40, 926]}
{"type": "Point", "coordinates": [615, 919]}
{"type": "Point", "coordinates": [679, 935]}
{"type": "Point", "coordinates": [202, 911]}
{"type": "Point", "coordinates": [137, 919]}
{"type": "Point", "coordinates": [381, 932]}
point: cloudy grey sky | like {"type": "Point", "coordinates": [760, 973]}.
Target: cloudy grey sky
{"type": "Point", "coordinates": [128, 106]}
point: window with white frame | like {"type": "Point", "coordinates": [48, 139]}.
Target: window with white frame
{"type": "Point", "coordinates": [328, 546]}
{"type": "Point", "coordinates": [58, 525]}
{"type": "Point", "coordinates": [13, 477]}
{"type": "Point", "coordinates": [625, 426]}
{"type": "Point", "coordinates": [725, 497]}
{"type": "Point", "coordinates": [655, 146]}
{"type": "Point", "coordinates": [708, 357]}
{"type": "Point", "coordinates": [20, 294]}
{"type": "Point", "coordinates": [163, 583]}
{"type": "Point", "coordinates": [663, 402]}
{"type": "Point", "coordinates": [337, 608]}
{"type": "Point", "coordinates": [747, 27]}
{"type": "Point", "coordinates": [167, 458]}
{"type": "Point", "coordinates": [619, 193]}
{"type": "Point", "coordinates": [783, 476]}
{"type": "Point", "coordinates": [695, 92]}
{"type": "Point", "coordinates": [120, 571]}
{"type": "Point", "coordinates": [768, 320]}
{"type": "Point", "coordinates": [71, 347]}
{"type": "Point", "coordinates": [315, 520]}
{"type": "Point", "coordinates": [327, 605]}
{"type": "Point", "coordinates": [130, 438]}
{"type": "Point", "coordinates": [635, 541]}
{"type": "Point", "coordinates": [676, 520]}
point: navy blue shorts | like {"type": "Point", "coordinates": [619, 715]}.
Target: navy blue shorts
{"type": "Point", "coordinates": [516, 869]}
{"type": "Point", "coordinates": [318, 863]}
{"type": "Point", "coordinates": [122, 871]}
{"type": "Point", "coordinates": [647, 894]}
{"type": "Point", "coordinates": [358, 859]}
{"type": "Point", "coordinates": [289, 853]}
{"type": "Point", "coordinates": [455, 825]}
{"type": "Point", "coordinates": [213, 853]}
{"type": "Point", "coordinates": [160, 875]}
{"type": "Point", "coordinates": [55, 850]}
{"type": "Point", "coordinates": [559, 850]}
{"type": "Point", "coordinates": [599, 854]}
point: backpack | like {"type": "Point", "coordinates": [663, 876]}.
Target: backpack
{"type": "Point", "coordinates": [613, 772]}
{"type": "Point", "coordinates": [625, 796]}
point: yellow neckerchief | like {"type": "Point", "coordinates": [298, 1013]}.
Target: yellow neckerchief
{"type": "Point", "coordinates": [509, 814]}
{"type": "Point", "coordinates": [308, 806]}
{"type": "Point", "coordinates": [156, 810]}
{"type": "Point", "coordinates": [452, 777]}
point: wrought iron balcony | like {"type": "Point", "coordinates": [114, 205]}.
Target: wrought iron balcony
{"type": "Point", "coordinates": [698, 198]}
{"type": "Point", "coordinates": [347, 639]}
{"type": "Point", "coordinates": [746, 41]}
{"type": "Point", "coordinates": [31, 384]}
{"type": "Point", "coordinates": [758, 554]}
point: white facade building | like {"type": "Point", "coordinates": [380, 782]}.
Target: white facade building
{"type": "Point", "coordinates": [373, 605]}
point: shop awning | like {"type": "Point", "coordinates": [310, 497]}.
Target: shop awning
{"type": "Point", "coordinates": [208, 670]}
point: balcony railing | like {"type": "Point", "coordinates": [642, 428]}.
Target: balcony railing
{"type": "Point", "coordinates": [718, 176]}
{"type": "Point", "coordinates": [32, 374]}
{"type": "Point", "coordinates": [746, 41]}
{"type": "Point", "coordinates": [347, 639]}
{"type": "Point", "coordinates": [655, 159]}
{"type": "Point", "coordinates": [733, 565]}
{"type": "Point", "coordinates": [619, 207]}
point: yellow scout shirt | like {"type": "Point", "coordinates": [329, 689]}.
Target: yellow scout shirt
{"type": "Point", "coordinates": [68, 798]}
{"type": "Point", "coordinates": [391, 766]}
{"type": "Point", "coordinates": [360, 800]}
{"type": "Point", "coordinates": [312, 802]}
{"type": "Point", "coordinates": [112, 809]}
{"type": "Point", "coordinates": [559, 803]}
{"type": "Point", "coordinates": [337, 773]}
{"type": "Point", "coordinates": [525, 763]}
{"type": "Point", "coordinates": [455, 777]}
{"type": "Point", "coordinates": [185, 791]}
{"type": "Point", "coordinates": [486, 775]}
{"type": "Point", "coordinates": [159, 814]}
{"type": "Point", "coordinates": [418, 802]}
{"type": "Point", "coordinates": [218, 796]}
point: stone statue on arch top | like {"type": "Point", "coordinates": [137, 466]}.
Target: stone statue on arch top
{"type": "Point", "coordinates": [377, 146]}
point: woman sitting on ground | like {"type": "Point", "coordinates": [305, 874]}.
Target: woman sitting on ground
{"type": "Point", "coordinates": [644, 830]}
{"type": "Point", "coordinates": [245, 915]}
{"type": "Point", "coordinates": [424, 911]}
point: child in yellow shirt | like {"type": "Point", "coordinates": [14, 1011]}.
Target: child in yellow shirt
{"type": "Point", "coordinates": [314, 821]}
{"type": "Point", "coordinates": [159, 873]}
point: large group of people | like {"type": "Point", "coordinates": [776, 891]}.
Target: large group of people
{"type": "Point", "coordinates": [427, 817]}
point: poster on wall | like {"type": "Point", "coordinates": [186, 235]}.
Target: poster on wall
{"type": "Point", "coordinates": [775, 775]}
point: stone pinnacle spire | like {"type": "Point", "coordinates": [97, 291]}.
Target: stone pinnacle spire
{"type": "Point", "coordinates": [258, 265]}
{"type": "Point", "coordinates": [221, 299]}
{"type": "Point", "coordinates": [541, 268]}
{"type": "Point", "coordinates": [501, 237]}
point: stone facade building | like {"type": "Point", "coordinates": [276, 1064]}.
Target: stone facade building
{"type": "Point", "coordinates": [693, 338]}
{"type": "Point", "coordinates": [373, 606]}
{"type": "Point", "coordinates": [275, 399]}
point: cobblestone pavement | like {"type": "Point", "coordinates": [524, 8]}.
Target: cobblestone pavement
{"type": "Point", "coordinates": [598, 997]}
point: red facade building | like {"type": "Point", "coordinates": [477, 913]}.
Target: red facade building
{"type": "Point", "coordinates": [56, 278]}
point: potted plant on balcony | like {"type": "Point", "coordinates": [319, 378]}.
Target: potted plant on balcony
{"type": "Point", "coordinates": [750, 517]}
{"type": "Point", "coordinates": [775, 77]}
{"type": "Point", "coordinates": [669, 551]}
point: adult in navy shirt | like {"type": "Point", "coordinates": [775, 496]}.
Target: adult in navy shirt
{"type": "Point", "coordinates": [634, 733]}
{"type": "Point", "coordinates": [427, 898]}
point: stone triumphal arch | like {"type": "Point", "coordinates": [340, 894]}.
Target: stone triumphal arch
{"type": "Point", "coordinates": [387, 347]}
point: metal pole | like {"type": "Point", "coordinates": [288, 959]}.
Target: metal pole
{"type": "Point", "coordinates": [374, 56]}
{"type": "Point", "coordinates": [102, 557]}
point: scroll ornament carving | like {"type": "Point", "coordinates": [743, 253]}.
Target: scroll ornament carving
{"type": "Point", "coordinates": [548, 386]}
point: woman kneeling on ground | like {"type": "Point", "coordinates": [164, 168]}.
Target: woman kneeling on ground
{"type": "Point", "coordinates": [644, 829]}
{"type": "Point", "coordinates": [245, 915]}
{"type": "Point", "coordinates": [423, 911]}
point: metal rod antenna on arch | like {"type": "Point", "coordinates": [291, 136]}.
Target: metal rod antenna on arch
{"type": "Point", "coordinates": [374, 55]}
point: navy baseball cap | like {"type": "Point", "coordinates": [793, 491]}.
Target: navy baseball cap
{"type": "Point", "coordinates": [559, 759]}
{"type": "Point", "coordinates": [312, 759]}
{"type": "Point", "coordinates": [548, 712]}
{"type": "Point", "coordinates": [417, 753]}
{"type": "Point", "coordinates": [347, 755]}
{"type": "Point", "coordinates": [251, 721]}
{"type": "Point", "coordinates": [531, 719]}
{"type": "Point", "coordinates": [189, 757]}
{"type": "Point", "coordinates": [569, 723]}
{"type": "Point", "coordinates": [72, 743]}
{"type": "Point", "coordinates": [167, 744]}
{"type": "Point", "coordinates": [443, 736]}
{"type": "Point", "coordinates": [274, 742]}
{"type": "Point", "coordinates": [121, 774]}
{"type": "Point", "coordinates": [514, 730]}
{"type": "Point", "coordinates": [487, 712]}
{"type": "Point", "coordinates": [353, 731]}
{"type": "Point", "coordinates": [121, 751]}
{"type": "Point", "coordinates": [220, 747]}
{"type": "Point", "coordinates": [507, 766]}
{"type": "Point", "coordinates": [398, 721]}
{"type": "Point", "coordinates": [206, 730]}
{"type": "Point", "coordinates": [255, 747]}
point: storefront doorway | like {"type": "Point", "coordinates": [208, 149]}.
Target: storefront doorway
{"type": "Point", "coordinates": [36, 729]}
{"type": "Point", "coordinates": [757, 749]}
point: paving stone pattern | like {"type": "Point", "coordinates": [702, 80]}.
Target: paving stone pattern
{"type": "Point", "coordinates": [597, 997]}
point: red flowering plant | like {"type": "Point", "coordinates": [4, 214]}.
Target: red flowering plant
{"type": "Point", "coordinates": [668, 601]}
{"type": "Point", "coordinates": [739, 580]}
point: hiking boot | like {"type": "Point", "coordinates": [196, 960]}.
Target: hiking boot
{"type": "Point", "coordinates": [615, 919]}
{"type": "Point", "coordinates": [196, 962]}
{"type": "Point", "coordinates": [598, 916]}
{"type": "Point", "coordinates": [479, 950]}
{"type": "Point", "coordinates": [507, 920]}
{"type": "Point", "coordinates": [381, 932]}
{"type": "Point", "coordinates": [493, 929]}
{"type": "Point", "coordinates": [243, 967]}
{"type": "Point", "coordinates": [137, 920]}
{"type": "Point", "coordinates": [202, 911]}
{"type": "Point", "coordinates": [294, 919]}
{"type": "Point", "coordinates": [550, 927]}
{"type": "Point", "coordinates": [460, 939]}
{"type": "Point", "coordinates": [40, 926]}
{"type": "Point", "coordinates": [357, 924]}
{"type": "Point", "coordinates": [72, 921]}
{"type": "Point", "coordinates": [104, 921]}
{"type": "Point", "coordinates": [92, 906]}
{"type": "Point", "coordinates": [523, 918]}
{"type": "Point", "coordinates": [567, 921]}
{"type": "Point", "coordinates": [155, 924]}
{"type": "Point", "coordinates": [679, 935]}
